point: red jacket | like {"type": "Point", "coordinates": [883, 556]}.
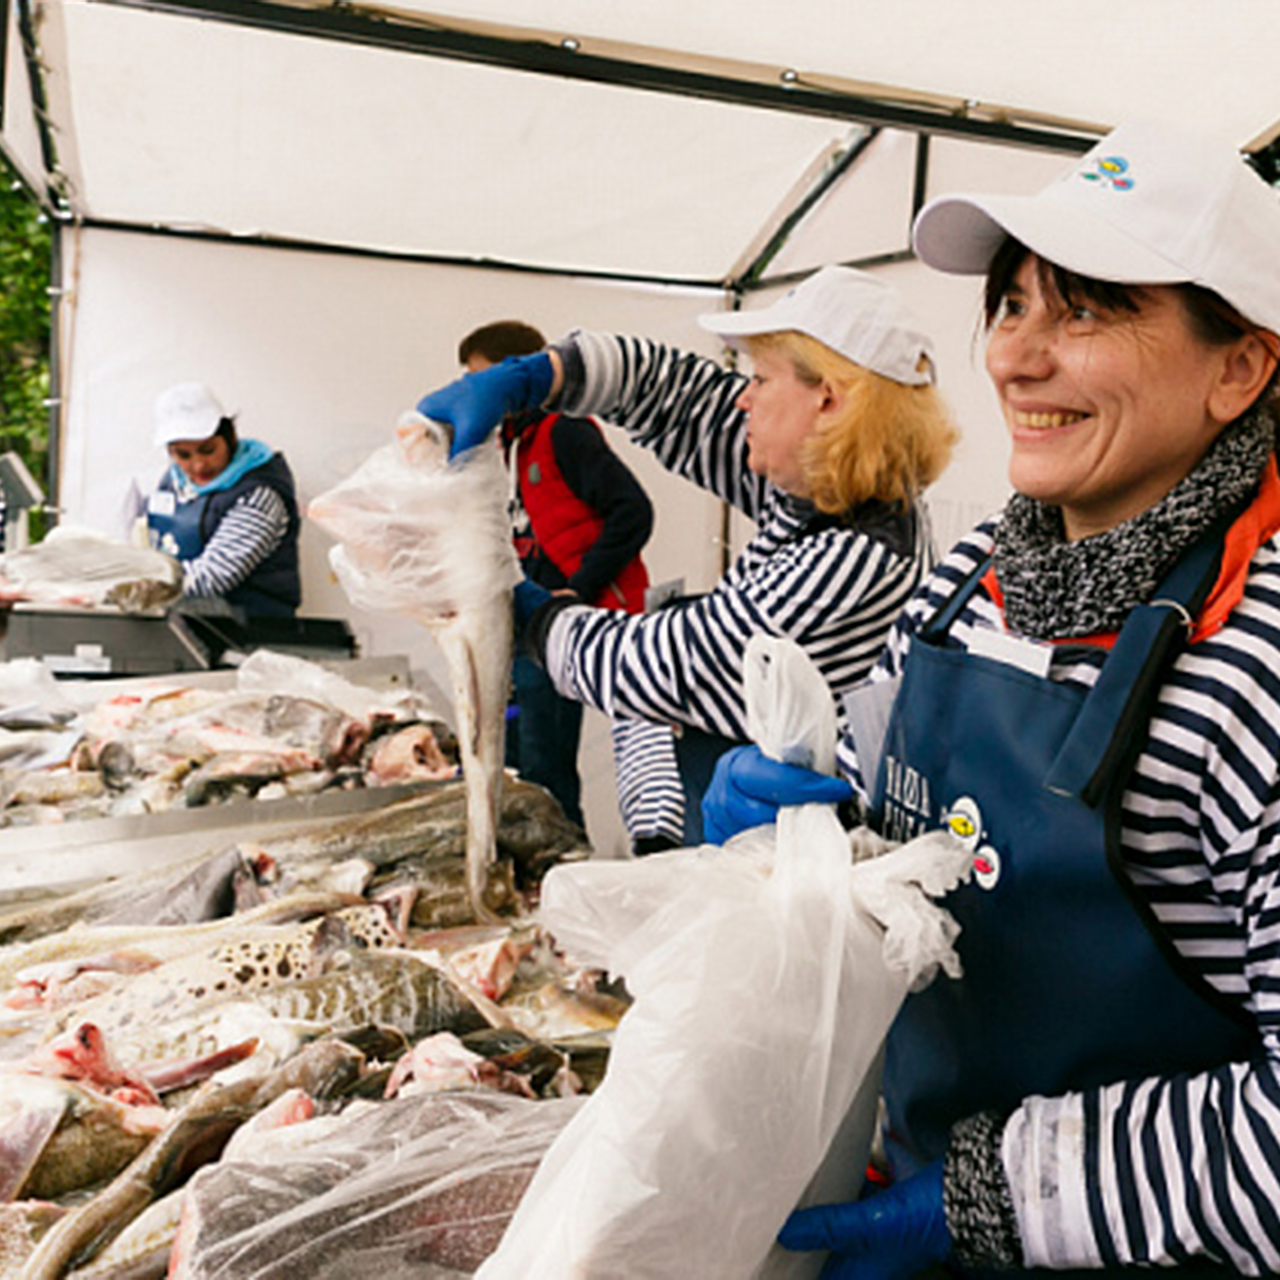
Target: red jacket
{"type": "Point", "coordinates": [563, 526]}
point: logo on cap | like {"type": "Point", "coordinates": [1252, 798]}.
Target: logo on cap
{"type": "Point", "coordinates": [1112, 171]}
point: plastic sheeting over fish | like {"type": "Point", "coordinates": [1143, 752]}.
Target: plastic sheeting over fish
{"type": "Point", "coordinates": [81, 567]}
{"type": "Point", "coordinates": [419, 1188]}
{"type": "Point", "coordinates": [288, 727]}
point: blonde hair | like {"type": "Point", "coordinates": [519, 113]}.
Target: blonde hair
{"type": "Point", "coordinates": [889, 442]}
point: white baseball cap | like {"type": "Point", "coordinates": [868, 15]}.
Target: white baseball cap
{"type": "Point", "coordinates": [187, 411]}
{"type": "Point", "coordinates": [1150, 204]}
{"type": "Point", "coordinates": [855, 314]}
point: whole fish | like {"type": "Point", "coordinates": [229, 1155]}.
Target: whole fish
{"type": "Point", "coordinates": [58, 1136]}
{"type": "Point", "coordinates": [430, 538]}
{"type": "Point", "coordinates": [244, 968]}
{"type": "Point", "coordinates": [196, 889]}
{"type": "Point", "coordinates": [195, 1135]}
{"type": "Point", "coordinates": [57, 952]}
{"type": "Point", "coordinates": [396, 989]}
{"type": "Point", "coordinates": [476, 639]}
{"type": "Point", "coordinates": [141, 1251]}
{"type": "Point", "coordinates": [53, 786]}
{"type": "Point", "coordinates": [417, 836]}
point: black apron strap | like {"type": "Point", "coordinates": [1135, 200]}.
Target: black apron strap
{"type": "Point", "coordinates": [1096, 754]}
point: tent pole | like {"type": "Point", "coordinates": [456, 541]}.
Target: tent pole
{"type": "Point", "coordinates": [52, 195]}
{"type": "Point", "coordinates": [53, 456]}
{"type": "Point", "coordinates": [840, 164]}
{"type": "Point", "coordinates": [391, 255]}
{"type": "Point", "coordinates": [543, 54]}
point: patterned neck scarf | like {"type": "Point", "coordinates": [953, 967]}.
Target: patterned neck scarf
{"type": "Point", "coordinates": [1055, 589]}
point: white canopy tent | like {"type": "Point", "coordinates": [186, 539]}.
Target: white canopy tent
{"type": "Point", "coordinates": [307, 205]}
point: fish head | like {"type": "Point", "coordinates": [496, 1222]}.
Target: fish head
{"type": "Point", "coordinates": [424, 441]}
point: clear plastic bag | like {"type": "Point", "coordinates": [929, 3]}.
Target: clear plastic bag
{"type": "Point", "coordinates": [429, 538]}
{"type": "Point", "coordinates": [81, 567]}
{"type": "Point", "coordinates": [417, 535]}
{"type": "Point", "coordinates": [744, 1080]}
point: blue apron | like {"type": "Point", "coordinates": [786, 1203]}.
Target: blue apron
{"type": "Point", "coordinates": [176, 526]}
{"type": "Point", "coordinates": [181, 520]}
{"type": "Point", "coordinates": [1069, 983]}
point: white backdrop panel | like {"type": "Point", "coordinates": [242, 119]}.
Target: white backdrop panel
{"type": "Point", "coordinates": [318, 354]}
{"type": "Point", "coordinates": [206, 125]}
{"type": "Point", "coordinates": [1092, 60]}
{"type": "Point", "coordinates": [20, 134]}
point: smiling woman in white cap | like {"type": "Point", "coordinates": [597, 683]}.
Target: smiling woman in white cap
{"type": "Point", "coordinates": [1089, 696]}
{"type": "Point", "coordinates": [827, 446]}
{"type": "Point", "coordinates": [225, 508]}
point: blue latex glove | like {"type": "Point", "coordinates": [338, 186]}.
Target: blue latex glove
{"type": "Point", "coordinates": [527, 599]}
{"type": "Point", "coordinates": [476, 404]}
{"type": "Point", "coordinates": [748, 788]}
{"type": "Point", "coordinates": [888, 1236]}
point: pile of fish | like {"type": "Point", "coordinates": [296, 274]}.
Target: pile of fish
{"type": "Point", "coordinates": [335, 1050]}
{"type": "Point", "coordinates": [286, 728]}
{"type": "Point", "coordinates": [204, 1069]}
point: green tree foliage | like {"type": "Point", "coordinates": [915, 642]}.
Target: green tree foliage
{"type": "Point", "coordinates": [25, 244]}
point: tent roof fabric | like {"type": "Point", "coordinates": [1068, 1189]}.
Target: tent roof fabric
{"type": "Point", "coordinates": [665, 141]}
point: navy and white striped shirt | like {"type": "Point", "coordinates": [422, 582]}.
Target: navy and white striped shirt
{"type": "Point", "coordinates": [1166, 1169]}
{"type": "Point", "coordinates": [248, 533]}
{"type": "Point", "coordinates": [835, 591]}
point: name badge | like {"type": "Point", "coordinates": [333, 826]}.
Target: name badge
{"type": "Point", "coordinates": [1032, 656]}
{"type": "Point", "coordinates": [162, 503]}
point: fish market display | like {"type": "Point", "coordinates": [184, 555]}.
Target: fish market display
{"type": "Point", "coordinates": [287, 728]}
{"type": "Point", "coordinates": [138, 1058]}
{"type": "Point", "coordinates": [204, 1065]}
{"type": "Point", "coordinates": [429, 538]}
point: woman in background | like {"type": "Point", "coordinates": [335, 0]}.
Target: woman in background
{"type": "Point", "coordinates": [828, 446]}
{"type": "Point", "coordinates": [226, 509]}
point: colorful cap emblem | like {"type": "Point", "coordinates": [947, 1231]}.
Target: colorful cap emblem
{"type": "Point", "coordinates": [1113, 171]}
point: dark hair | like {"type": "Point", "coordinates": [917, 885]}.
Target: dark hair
{"type": "Point", "coordinates": [1213, 320]}
{"type": "Point", "coordinates": [497, 341]}
{"type": "Point", "coordinates": [227, 430]}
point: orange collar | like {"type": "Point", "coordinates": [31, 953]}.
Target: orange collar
{"type": "Point", "coordinates": [1258, 522]}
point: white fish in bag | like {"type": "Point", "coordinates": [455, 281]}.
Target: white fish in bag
{"type": "Point", "coordinates": [744, 1080]}
{"type": "Point", "coordinates": [430, 538]}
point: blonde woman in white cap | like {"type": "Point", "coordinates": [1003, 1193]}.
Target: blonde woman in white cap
{"type": "Point", "coordinates": [828, 446]}
{"type": "Point", "coordinates": [226, 507]}
{"type": "Point", "coordinates": [1089, 696]}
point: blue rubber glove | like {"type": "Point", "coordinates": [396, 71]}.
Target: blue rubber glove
{"type": "Point", "coordinates": [888, 1236]}
{"type": "Point", "coordinates": [475, 405]}
{"type": "Point", "coordinates": [527, 599]}
{"type": "Point", "coordinates": [748, 788]}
